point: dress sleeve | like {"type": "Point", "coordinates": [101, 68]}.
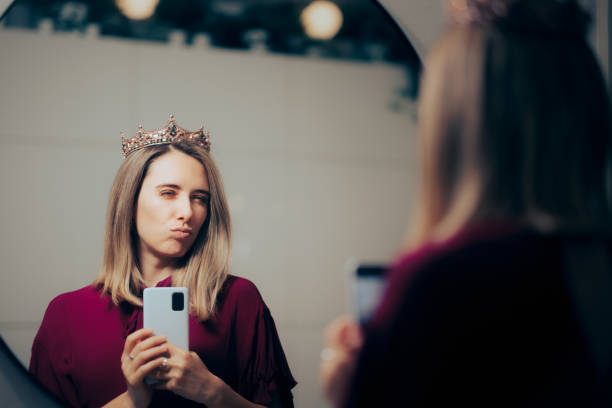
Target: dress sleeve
{"type": "Point", "coordinates": [51, 360]}
{"type": "Point", "coordinates": [263, 368]}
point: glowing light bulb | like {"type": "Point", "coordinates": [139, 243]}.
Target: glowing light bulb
{"type": "Point", "coordinates": [321, 20]}
{"type": "Point", "coordinates": [137, 9]}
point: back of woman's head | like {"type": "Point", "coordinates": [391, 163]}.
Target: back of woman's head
{"type": "Point", "coordinates": [514, 120]}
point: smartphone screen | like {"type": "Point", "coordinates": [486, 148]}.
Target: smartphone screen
{"type": "Point", "coordinates": [368, 285]}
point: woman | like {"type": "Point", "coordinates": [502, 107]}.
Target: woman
{"type": "Point", "coordinates": [168, 224]}
{"type": "Point", "coordinates": [479, 311]}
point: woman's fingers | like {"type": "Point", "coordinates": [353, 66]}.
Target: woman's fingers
{"type": "Point", "coordinates": [175, 349]}
{"type": "Point", "coordinates": [166, 384]}
{"type": "Point", "coordinates": [147, 343]}
{"type": "Point", "coordinates": [140, 347]}
{"type": "Point", "coordinates": [150, 353]}
{"type": "Point", "coordinates": [133, 339]}
{"type": "Point", "coordinates": [150, 366]}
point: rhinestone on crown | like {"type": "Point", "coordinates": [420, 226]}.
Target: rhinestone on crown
{"type": "Point", "coordinates": [171, 133]}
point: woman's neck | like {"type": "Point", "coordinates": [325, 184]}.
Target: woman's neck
{"type": "Point", "coordinates": [154, 269]}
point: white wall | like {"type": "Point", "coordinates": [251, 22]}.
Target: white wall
{"type": "Point", "coordinates": [317, 166]}
{"type": "Point", "coordinates": [421, 20]}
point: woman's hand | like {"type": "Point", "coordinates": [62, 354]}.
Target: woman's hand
{"type": "Point", "coordinates": [142, 354]}
{"type": "Point", "coordinates": [343, 342]}
{"type": "Point", "coordinates": [184, 373]}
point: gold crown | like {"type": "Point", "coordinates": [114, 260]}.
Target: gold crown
{"type": "Point", "coordinates": [171, 133]}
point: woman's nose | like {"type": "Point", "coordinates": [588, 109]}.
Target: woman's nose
{"type": "Point", "coordinates": [184, 210]}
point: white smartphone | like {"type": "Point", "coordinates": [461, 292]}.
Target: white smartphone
{"type": "Point", "coordinates": [367, 282]}
{"type": "Point", "coordinates": [166, 311]}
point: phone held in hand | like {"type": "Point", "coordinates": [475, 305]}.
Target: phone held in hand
{"type": "Point", "coordinates": [166, 311]}
{"type": "Point", "coordinates": [367, 281]}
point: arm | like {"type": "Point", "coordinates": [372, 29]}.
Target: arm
{"type": "Point", "coordinates": [53, 369]}
{"type": "Point", "coordinates": [47, 369]}
{"type": "Point", "coordinates": [226, 397]}
{"type": "Point", "coordinates": [121, 401]}
{"type": "Point", "coordinates": [186, 375]}
{"type": "Point", "coordinates": [264, 374]}
{"type": "Point", "coordinates": [230, 398]}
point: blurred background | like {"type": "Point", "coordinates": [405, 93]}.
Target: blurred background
{"type": "Point", "coordinates": [312, 110]}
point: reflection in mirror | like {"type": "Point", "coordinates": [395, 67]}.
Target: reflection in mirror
{"type": "Point", "coordinates": [313, 138]}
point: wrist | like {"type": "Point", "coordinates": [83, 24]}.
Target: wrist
{"type": "Point", "coordinates": [132, 400]}
{"type": "Point", "coordinates": [213, 391]}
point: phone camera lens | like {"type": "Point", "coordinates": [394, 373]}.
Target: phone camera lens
{"type": "Point", "coordinates": [178, 301]}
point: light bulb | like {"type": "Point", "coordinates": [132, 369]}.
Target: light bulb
{"type": "Point", "coordinates": [321, 20]}
{"type": "Point", "coordinates": [137, 9]}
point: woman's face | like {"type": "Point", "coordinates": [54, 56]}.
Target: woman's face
{"type": "Point", "coordinates": [171, 207]}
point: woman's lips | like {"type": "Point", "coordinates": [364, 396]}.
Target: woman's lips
{"type": "Point", "coordinates": [181, 233]}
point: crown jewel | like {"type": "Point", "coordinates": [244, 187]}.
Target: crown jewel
{"type": "Point", "coordinates": [171, 133]}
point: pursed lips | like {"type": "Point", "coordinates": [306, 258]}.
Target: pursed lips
{"type": "Point", "coordinates": [181, 232]}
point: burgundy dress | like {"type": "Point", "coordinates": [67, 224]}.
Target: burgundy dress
{"type": "Point", "coordinates": [77, 351]}
{"type": "Point", "coordinates": [483, 319]}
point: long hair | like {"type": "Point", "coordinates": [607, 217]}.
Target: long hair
{"type": "Point", "coordinates": [203, 269]}
{"type": "Point", "coordinates": [514, 125]}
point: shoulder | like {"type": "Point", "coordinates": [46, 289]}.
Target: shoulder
{"type": "Point", "coordinates": [71, 303]}
{"type": "Point", "coordinates": [240, 299]}
{"type": "Point", "coordinates": [241, 289]}
{"type": "Point", "coordinates": [479, 245]}
{"type": "Point", "coordinates": [503, 246]}
{"type": "Point", "coordinates": [75, 298]}
{"type": "Point", "coordinates": [470, 264]}
{"type": "Point", "coordinates": [61, 310]}
{"type": "Point", "coordinates": [490, 262]}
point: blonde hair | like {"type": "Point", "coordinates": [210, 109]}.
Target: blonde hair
{"type": "Point", "coordinates": [203, 269]}
{"type": "Point", "coordinates": [512, 127]}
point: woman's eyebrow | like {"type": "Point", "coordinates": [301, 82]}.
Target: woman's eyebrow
{"type": "Point", "coordinates": [175, 186]}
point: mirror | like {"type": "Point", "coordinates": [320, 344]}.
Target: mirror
{"type": "Point", "coordinates": [314, 139]}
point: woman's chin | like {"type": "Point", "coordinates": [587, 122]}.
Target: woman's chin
{"type": "Point", "coordinates": [174, 253]}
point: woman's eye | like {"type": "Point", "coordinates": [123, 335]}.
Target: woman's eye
{"type": "Point", "coordinates": [167, 193]}
{"type": "Point", "coordinates": [203, 199]}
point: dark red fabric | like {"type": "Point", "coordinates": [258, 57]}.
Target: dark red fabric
{"type": "Point", "coordinates": [483, 319]}
{"type": "Point", "coordinates": [77, 350]}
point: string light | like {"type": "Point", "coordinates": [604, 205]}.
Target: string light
{"type": "Point", "coordinates": [137, 9]}
{"type": "Point", "coordinates": [321, 20]}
